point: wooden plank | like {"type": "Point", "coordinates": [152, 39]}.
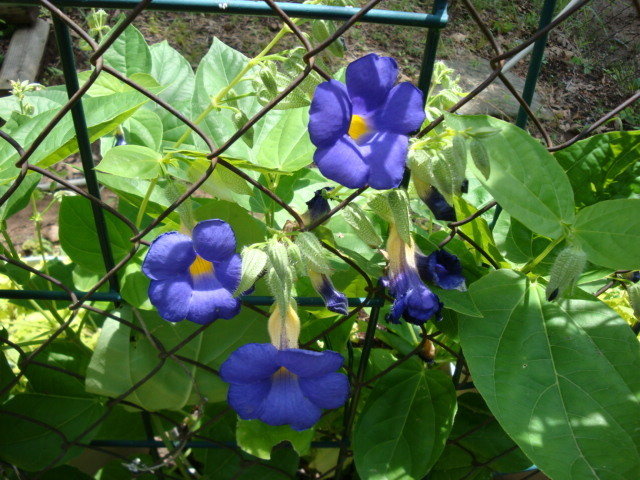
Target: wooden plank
{"type": "Point", "coordinates": [24, 56]}
{"type": "Point", "coordinates": [18, 15]}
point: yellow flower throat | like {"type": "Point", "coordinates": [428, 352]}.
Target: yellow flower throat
{"type": "Point", "coordinates": [358, 127]}
{"type": "Point", "coordinates": [200, 267]}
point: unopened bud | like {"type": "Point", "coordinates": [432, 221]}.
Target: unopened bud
{"type": "Point", "coordinates": [279, 276]}
{"type": "Point", "coordinates": [480, 157]}
{"type": "Point", "coordinates": [254, 261]}
{"type": "Point", "coordinates": [284, 327]}
{"type": "Point", "coordinates": [312, 252]}
{"type": "Point", "coordinates": [269, 80]}
{"type": "Point", "coordinates": [565, 271]}
{"type": "Point", "coordinates": [356, 219]}
{"type": "Point", "coordinates": [239, 120]}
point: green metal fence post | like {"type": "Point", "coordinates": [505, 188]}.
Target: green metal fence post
{"type": "Point", "coordinates": [431, 47]}
{"type": "Point", "coordinates": [65, 48]}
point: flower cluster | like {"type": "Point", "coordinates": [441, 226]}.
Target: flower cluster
{"type": "Point", "coordinates": [361, 129]}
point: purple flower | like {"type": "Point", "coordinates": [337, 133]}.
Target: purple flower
{"type": "Point", "coordinates": [318, 205]}
{"type": "Point", "coordinates": [413, 300]}
{"type": "Point", "coordinates": [442, 268]}
{"type": "Point", "coordinates": [194, 278]}
{"type": "Point", "coordinates": [360, 129]}
{"type": "Point", "coordinates": [434, 200]}
{"type": "Point", "coordinates": [284, 387]}
{"type": "Point", "coordinates": [335, 300]}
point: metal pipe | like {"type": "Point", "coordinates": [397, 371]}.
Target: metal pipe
{"type": "Point", "coordinates": [84, 144]}
{"type": "Point", "coordinates": [248, 7]}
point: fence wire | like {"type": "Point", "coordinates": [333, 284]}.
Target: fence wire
{"type": "Point", "coordinates": [183, 436]}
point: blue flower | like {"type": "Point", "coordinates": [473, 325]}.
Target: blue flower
{"type": "Point", "coordinates": [442, 268]}
{"type": "Point", "coordinates": [194, 278]}
{"type": "Point", "coordinates": [318, 205]}
{"type": "Point", "coordinates": [284, 387]}
{"type": "Point", "coordinates": [434, 200]}
{"type": "Point", "coordinates": [413, 300]}
{"type": "Point", "coordinates": [335, 300]}
{"type": "Point", "coordinates": [361, 129]}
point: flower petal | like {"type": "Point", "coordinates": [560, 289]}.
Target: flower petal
{"type": "Point", "coordinates": [386, 156]}
{"type": "Point", "coordinates": [329, 114]}
{"type": "Point", "coordinates": [307, 363]}
{"type": "Point", "coordinates": [170, 254]}
{"type": "Point", "coordinates": [369, 80]}
{"type": "Point", "coordinates": [171, 297]}
{"type": "Point", "coordinates": [335, 300]}
{"type": "Point", "coordinates": [328, 391]}
{"type": "Point", "coordinates": [343, 163]}
{"type": "Point", "coordinates": [286, 404]}
{"type": "Point", "coordinates": [247, 398]}
{"type": "Point", "coordinates": [229, 272]}
{"type": "Point", "coordinates": [209, 305]}
{"type": "Point", "coordinates": [442, 268]}
{"type": "Point", "coordinates": [214, 240]}
{"type": "Point", "coordinates": [250, 363]}
{"type": "Point", "coordinates": [403, 112]}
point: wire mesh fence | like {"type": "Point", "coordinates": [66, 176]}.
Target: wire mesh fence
{"type": "Point", "coordinates": [186, 435]}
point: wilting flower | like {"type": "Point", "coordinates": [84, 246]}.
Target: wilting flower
{"type": "Point", "coordinates": [194, 278]}
{"type": "Point", "coordinates": [360, 129]}
{"type": "Point", "coordinates": [335, 300]}
{"type": "Point", "coordinates": [284, 387]}
{"type": "Point", "coordinates": [442, 268]}
{"type": "Point", "coordinates": [318, 206]}
{"type": "Point", "coordinates": [413, 300]}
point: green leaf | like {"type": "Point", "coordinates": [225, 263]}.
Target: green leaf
{"type": "Point", "coordinates": [63, 354]}
{"type": "Point", "coordinates": [609, 232]}
{"type": "Point", "coordinates": [258, 438]}
{"type": "Point", "coordinates": [602, 167]}
{"type": "Point", "coordinates": [129, 53]}
{"type": "Point", "coordinates": [123, 357]}
{"type": "Point", "coordinates": [524, 178]}
{"type": "Point", "coordinates": [173, 72]}
{"type": "Point", "coordinates": [144, 128]}
{"type": "Point", "coordinates": [134, 285]}
{"type": "Point", "coordinates": [477, 437]}
{"type": "Point", "coordinates": [520, 245]}
{"type": "Point", "coordinates": [79, 239]}
{"type": "Point", "coordinates": [131, 161]}
{"type": "Point", "coordinates": [283, 143]}
{"type": "Point", "coordinates": [560, 378]}
{"type": "Point", "coordinates": [390, 439]}
{"type": "Point", "coordinates": [103, 115]}
{"type": "Point", "coordinates": [19, 199]}
{"type": "Point", "coordinates": [31, 446]}
{"type": "Point", "coordinates": [6, 373]}
{"type": "Point", "coordinates": [456, 300]}
{"type": "Point", "coordinates": [479, 231]}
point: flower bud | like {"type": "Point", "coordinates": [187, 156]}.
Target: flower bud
{"type": "Point", "coordinates": [254, 261]}
{"type": "Point", "coordinates": [284, 327]}
{"type": "Point", "coordinates": [480, 157]}
{"type": "Point", "coordinates": [356, 219]}
{"type": "Point", "coordinates": [280, 276]}
{"type": "Point", "coordinates": [565, 271]}
{"type": "Point", "coordinates": [268, 78]}
{"type": "Point", "coordinates": [239, 120]}
{"type": "Point", "coordinates": [312, 252]}
{"type": "Point", "coordinates": [434, 200]}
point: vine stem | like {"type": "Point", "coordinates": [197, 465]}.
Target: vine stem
{"type": "Point", "coordinates": [215, 101]}
{"type": "Point", "coordinates": [533, 263]}
{"type": "Point", "coordinates": [350, 413]}
{"type": "Point", "coordinates": [145, 201]}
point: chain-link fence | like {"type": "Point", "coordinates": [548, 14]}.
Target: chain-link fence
{"type": "Point", "coordinates": [187, 435]}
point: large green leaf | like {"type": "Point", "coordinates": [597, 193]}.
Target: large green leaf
{"type": "Point", "coordinates": [609, 232]}
{"type": "Point", "coordinates": [129, 53]}
{"type": "Point", "coordinates": [32, 446]}
{"type": "Point", "coordinates": [123, 357]}
{"type": "Point", "coordinates": [477, 438]}
{"type": "Point", "coordinates": [283, 143]}
{"type": "Point", "coordinates": [79, 239]}
{"type": "Point", "coordinates": [103, 115]}
{"type": "Point", "coordinates": [20, 197]}
{"type": "Point", "coordinates": [525, 179]}
{"type": "Point", "coordinates": [602, 167]}
{"type": "Point", "coordinates": [174, 72]}
{"type": "Point", "coordinates": [405, 422]}
{"type": "Point", "coordinates": [144, 128]}
{"type": "Point", "coordinates": [560, 378]}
